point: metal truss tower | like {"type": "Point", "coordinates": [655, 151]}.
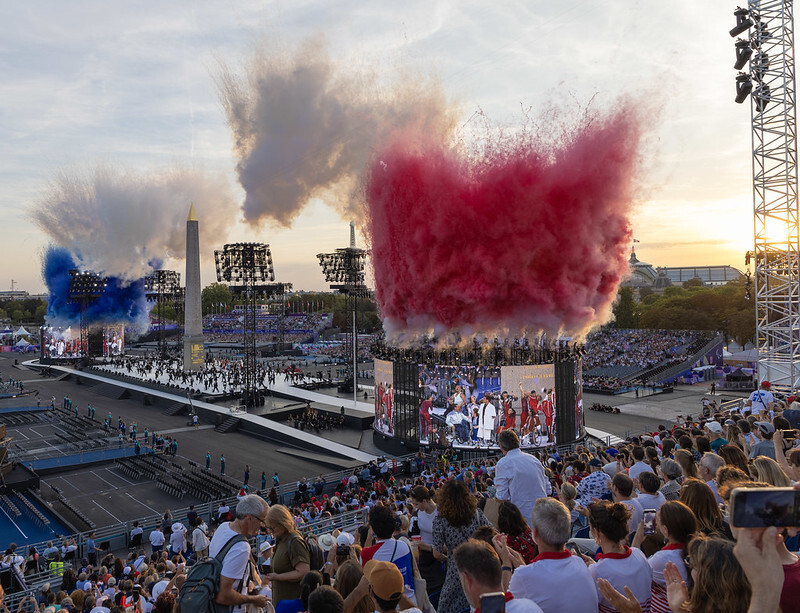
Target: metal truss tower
{"type": "Point", "coordinates": [777, 232]}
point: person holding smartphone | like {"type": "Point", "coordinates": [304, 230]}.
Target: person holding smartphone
{"type": "Point", "coordinates": [481, 576]}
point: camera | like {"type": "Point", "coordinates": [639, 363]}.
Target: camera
{"type": "Point", "coordinates": [763, 507]}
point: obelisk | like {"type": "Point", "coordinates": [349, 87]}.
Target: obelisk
{"type": "Point", "coordinates": [193, 349]}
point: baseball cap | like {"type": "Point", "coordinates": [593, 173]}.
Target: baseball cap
{"type": "Point", "coordinates": [766, 384]}
{"type": "Point", "coordinates": [345, 538]}
{"type": "Point", "coordinates": [765, 427]}
{"type": "Point", "coordinates": [714, 426]}
{"type": "Point", "coordinates": [595, 462]}
{"type": "Point", "coordinates": [384, 579]}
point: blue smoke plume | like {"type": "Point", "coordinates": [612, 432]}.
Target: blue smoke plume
{"type": "Point", "coordinates": [122, 303]}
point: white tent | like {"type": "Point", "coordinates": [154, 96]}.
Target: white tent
{"type": "Point", "coordinates": [22, 343]}
{"type": "Point", "coordinates": [22, 332]}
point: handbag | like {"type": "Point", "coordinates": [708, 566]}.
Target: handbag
{"type": "Point", "coordinates": [421, 590]}
{"type": "Point", "coordinates": [491, 510]}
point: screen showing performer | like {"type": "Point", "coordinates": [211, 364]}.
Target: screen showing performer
{"type": "Point", "coordinates": [61, 343]}
{"type": "Point", "coordinates": [113, 341]}
{"type": "Point", "coordinates": [384, 397]}
{"type": "Point", "coordinates": [458, 404]}
{"type": "Point", "coordinates": [533, 403]}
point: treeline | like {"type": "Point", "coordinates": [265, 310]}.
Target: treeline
{"type": "Point", "coordinates": [29, 310]}
{"type": "Point", "coordinates": [690, 307]}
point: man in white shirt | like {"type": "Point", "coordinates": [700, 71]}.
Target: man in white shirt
{"type": "Point", "coordinates": [519, 477]}
{"type": "Point", "coordinates": [157, 539]}
{"type": "Point", "coordinates": [622, 490]}
{"type": "Point", "coordinates": [556, 580]}
{"type": "Point", "coordinates": [488, 415]}
{"type": "Point", "coordinates": [760, 400]}
{"type": "Point", "coordinates": [251, 513]}
{"type": "Point", "coordinates": [640, 465]}
{"type": "Point", "coordinates": [480, 573]}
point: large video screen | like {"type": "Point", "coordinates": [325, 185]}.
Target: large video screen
{"type": "Point", "coordinates": [61, 343]}
{"type": "Point", "coordinates": [468, 406]}
{"type": "Point", "coordinates": [113, 341]}
{"type": "Point", "coordinates": [384, 397]}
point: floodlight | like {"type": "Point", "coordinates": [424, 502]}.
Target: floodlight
{"type": "Point", "coordinates": [743, 22]}
{"type": "Point", "coordinates": [743, 53]}
{"type": "Point", "coordinates": [743, 87]}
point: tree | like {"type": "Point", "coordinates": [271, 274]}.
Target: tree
{"type": "Point", "coordinates": [625, 312]}
{"type": "Point", "coordinates": [214, 294]}
{"type": "Point", "coordinates": [696, 282]}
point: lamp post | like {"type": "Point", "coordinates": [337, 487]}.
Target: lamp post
{"type": "Point", "coordinates": [344, 270]}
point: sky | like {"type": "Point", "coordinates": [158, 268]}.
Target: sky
{"type": "Point", "coordinates": [134, 86]}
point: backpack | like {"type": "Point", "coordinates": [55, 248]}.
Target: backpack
{"type": "Point", "coordinates": [199, 592]}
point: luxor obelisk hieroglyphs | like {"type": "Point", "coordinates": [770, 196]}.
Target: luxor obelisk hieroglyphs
{"type": "Point", "coordinates": [193, 350]}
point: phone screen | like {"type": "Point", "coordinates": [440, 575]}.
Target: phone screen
{"type": "Point", "coordinates": [649, 520]}
{"type": "Point", "coordinates": [762, 507]}
{"type": "Point", "coordinates": [493, 603]}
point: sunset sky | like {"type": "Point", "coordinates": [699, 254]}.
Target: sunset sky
{"type": "Point", "coordinates": [132, 85]}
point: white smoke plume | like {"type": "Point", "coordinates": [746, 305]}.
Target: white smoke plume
{"type": "Point", "coordinates": [304, 126]}
{"type": "Point", "coordinates": [117, 222]}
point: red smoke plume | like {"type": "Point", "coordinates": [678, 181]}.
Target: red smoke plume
{"type": "Point", "coordinates": [515, 240]}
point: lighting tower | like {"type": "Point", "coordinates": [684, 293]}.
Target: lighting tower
{"type": "Point", "coordinates": [770, 53]}
{"type": "Point", "coordinates": [162, 287]}
{"type": "Point", "coordinates": [344, 269]}
{"type": "Point", "coordinates": [247, 269]}
{"type": "Point", "coordinates": [84, 288]}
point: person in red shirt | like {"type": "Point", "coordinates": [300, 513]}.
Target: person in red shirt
{"type": "Point", "coordinates": [425, 416]}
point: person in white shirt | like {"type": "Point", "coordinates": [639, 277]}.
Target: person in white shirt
{"type": "Point", "coordinates": [640, 465]}
{"type": "Point", "coordinates": [480, 572]}
{"type": "Point", "coordinates": [620, 565]}
{"type": "Point", "coordinates": [519, 477]}
{"type": "Point", "coordinates": [622, 491]}
{"type": "Point", "coordinates": [760, 400]}
{"type": "Point", "coordinates": [157, 539]}
{"type": "Point", "coordinates": [177, 540]}
{"type": "Point", "coordinates": [649, 496]}
{"type": "Point", "coordinates": [556, 580]}
{"type": "Point", "coordinates": [488, 415]}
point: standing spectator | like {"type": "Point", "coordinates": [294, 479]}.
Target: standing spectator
{"type": "Point", "coordinates": [157, 539]}
{"type": "Point", "coordinates": [480, 573]}
{"type": "Point", "coordinates": [291, 559]}
{"type": "Point", "coordinates": [177, 539]}
{"type": "Point", "coordinates": [388, 549]}
{"type": "Point", "coordinates": [221, 464]}
{"type": "Point", "coordinates": [91, 550]}
{"type": "Point", "coordinates": [760, 401]}
{"type": "Point", "coordinates": [556, 580]}
{"type": "Point", "coordinates": [518, 534]}
{"type": "Point", "coordinates": [457, 520]}
{"type": "Point", "coordinates": [263, 481]}
{"type": "Point", "coordinates": [596, 485]}
{"type": "Point", "coordinates": [246, 474]}
{"type": "Point", "coordinates": [208, 460]}
{"type": "Point", "coordinates": [429, 567]}
{"type": "Point", "coordinates": [519, 477]}
{"type": "Point", "coordinates": [251, 513]}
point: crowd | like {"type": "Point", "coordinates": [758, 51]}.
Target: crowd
{"type": "Point", "coordinates": [297, 327]}
{"type": "Point", "coordinates": [637, 348]}
{"type": "Point", "coordinates": [309, 419]}
{"type": "Point", "coordinates": [644, 525]}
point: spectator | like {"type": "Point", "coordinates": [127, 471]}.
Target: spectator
{"type": "Point", "coordinates": [650, 497]}
{"type": "Point", "coordinates": [670, 472]}
{"type": "Point", "coordinates": [251, 513]}
{"type": "Point", "coordinates": [555, 580]}
{"type": "Point", "coordinates": [458, 519]}
{"type": "Point", "coordinates": [622, 489]}
{"type": "Point", "coordinates": [519, 477]}
{"type": "Point", "coordinates": [310, 582]}
{"type": "Point", "coordinates": [382, 520]}
{"type": "Point", "coordinates": [639, 465]}
{"type": "Point", "coordinates": [516, 530]}
{"type": "Point", "coordinates": [620, 565]}
{"type": "Point", "coordinates": [709, 465]}
{"type": "Point", "coordinates": [719, 582]}
{"type": "Point", "coordinates": [764, 432]}
{"type": "Point", "coordinates": [291, 559]}
{"type": "Point", "coordinates": [429, 567]}
{"type": "Point", "coordinates": [685, 458]}
{"type": "Point", "coordinates": [769, 471]}
{"type": "Point", "coordinates": [596, 485]}
{"type": "Point", "coordinates": [479, 571]}
{"type": "Point", "coordinates": [714, 431]}
{"type": "Point", "coordinates": [734, 456]}
{"type": "Point", "coordinates": [325, 599]}
{"type": "Point", "coordinates": [157, 539]}
{"type": "Point", "coordinates": [699, 497]}
{"type": "Point", "coordinates": [348, 576]}
{"type": "Point", "coordinates": [760, 401]}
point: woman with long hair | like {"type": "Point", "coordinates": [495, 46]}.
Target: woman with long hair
{"type": "Point", "coordinates": [618, 564]}
{"type": "Point", "coordinates": [348, 577]}
{"type": "Point", "coordinates": [678, 525]}
{"type": "Point", "coordinates": [457, 520]}
{"type": "Point", "coordinates": [769, 471]}
{"type": "Point", "coordinates": [291, 559]}
{"type": "Point", "coordinates": [518, 534]}
{"type": "Point", "coordinates": [688, 464]}
{"type": "Point", "coordinates": [430, 568]}
{"type": "Point", "coordinates": [734, 456]}
{"type": "Point", "coordinates": [699, 497]}
{"type": "Point", "coordinates": [720, 585]}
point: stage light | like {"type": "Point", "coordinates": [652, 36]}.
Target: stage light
{"type": "Point", "coordinates": [743, 87]}
{"type": "Point", "coordinates": [743, 22]}
{"type": "Point", "coordinates": [762, 96]}
{"type": "Point", "coordinates": [759, 66]}
{"type": "Point", "coordinates": [743, 53]}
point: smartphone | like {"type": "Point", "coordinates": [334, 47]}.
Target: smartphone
{"type": "Point", "coordinates": [763, 507]}
{"type": "Point", "coordinates": [789, 434]}
{"type": "Point", "coordinates": [572, 547]}
{"type": "Point", "coordinates": [494, 602]}
{"type": "Point", "coordinates": [649, 519]}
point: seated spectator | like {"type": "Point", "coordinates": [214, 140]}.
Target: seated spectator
{"type": "Point", "coordinates": [618, 564]}
{"type": "Point", "coordinates": [649, 496]}
{"type": "Point", "coordinates": [595, 485]}
{"type": "Point", "coordinates": [764, 432]}
{"type": "Point", "coordinates": [639, 465]}
{"type": "Point", "coordinates": [670, 472]}
{"type": "Point", "coordinates": [699, 497]}
{"type": "Point", "coordinates": [325, 599]}
{"type": "Point", "coordinates": [769, 471]}
{"type": "Point", "coordinates": [555, 580]}
{"type": "Point", "coordinates": [709, 465]}
{"type": "Point", "coordinates": [479, 570]}
{"type": "Point", "coordinates": [734, 456]}
{"type": "Point", "coordinates": [518, 535]}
